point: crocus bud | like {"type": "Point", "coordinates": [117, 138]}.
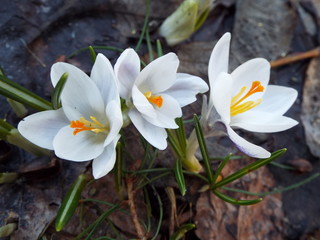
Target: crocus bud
{"type": "Point", "coordinates": [189, 16]}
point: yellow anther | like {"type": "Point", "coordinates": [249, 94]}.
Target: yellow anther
{"type": "Point", "coordinates": [84, 125]}
{"type": "Point", "coordinates": [237, 105]}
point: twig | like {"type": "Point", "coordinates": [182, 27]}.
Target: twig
{"type": "Point", "coordinates": [133, 211]}
{"type": "Point", "coordinates": [295, 57]}
{"type": "Point", "coordinates": [173, 211]}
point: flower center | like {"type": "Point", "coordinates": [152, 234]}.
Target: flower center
{"type": "Point", "coordinates": [157, 100]}
{"type": "Point", "coordinates": [84, 125]}
{"type": "Point", "coordinates": [237, 102]}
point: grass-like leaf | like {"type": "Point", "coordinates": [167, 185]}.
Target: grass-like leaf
{"type": "Point", "coordinates": [56, 93]}
{"type": "Point", "coordinates": [179, 176]}
{"type": "Point", "coordinates": [204, 151]}
{"type": "Point", "coordinates": [236, 201]}
{"type": "Point", "coordinates": [20, 94]}
{"type": "Point", "coordinates": [251, 167]}
{"type": "Point", "coordinates": [70, 202]}
{"type": "Point", "coordinates": [145, 25]}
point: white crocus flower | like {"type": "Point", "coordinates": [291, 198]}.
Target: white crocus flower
{"type": "Point", "coordinates": [155, 95]}
{"type": "Point", "coordinates": [244, 100]}
{"type": "Point", "coordinates": [88, 124]}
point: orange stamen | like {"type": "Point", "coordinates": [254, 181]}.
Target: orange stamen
{"type": "Point", "coordinates": [236, 104]}
{"type": "Point", "coordinates": [157, 100]}
{"type": "Point", "coordinates": [85, 125]}
{"type": "Point", "coordinates": [79, 127]}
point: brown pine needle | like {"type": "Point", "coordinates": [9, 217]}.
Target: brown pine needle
{"type": "Point", "coordinates": [295, 57]}
{"type": "Point", "coordinates": [140, 232]}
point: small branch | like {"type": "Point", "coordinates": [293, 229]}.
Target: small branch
{"type": "Point", "coordinates": [133, 211]}
{"type": "Point", "coordinates": [173, 211]}
{"type": "Point", "coordinates": [295, 57]}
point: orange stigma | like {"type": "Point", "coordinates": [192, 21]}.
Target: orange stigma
{"type": "Point", "coordinates": [237, 105]}
{"type": "Point", "coordinates": [84, 125]}
{"type": "Point", "coordinates": [157, 100]}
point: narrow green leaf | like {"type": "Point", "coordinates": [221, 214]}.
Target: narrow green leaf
{"type": "Point", "coordinates": [19, 109]}
{"type": "Point", "coordinates": [92, 227]}
{"type": "Point", "coordinates": [145, 25]}
{"type": "Point", "coordinates": [20, 94]}
{"type": "Point", "coordinates": [181, 134]}
{"type": "Point", "coordinates": [5, 125]}
{"type": "Point", "coordinates": [183, 229]}
{"type": "Point", "coordinates": [70, 202]}
{"type": "Point", "coordinates": [276, 190]}
{"type": "Point", "coordinates": [280, 165]}
{"type": "Point", "coordinates": [110, 48]}
{"type": "Point", "coordinates": [236, 201]}
{"type": "Point", "coordinates": [201, 19]}
{"type": "Point", "coordinates": [295, 185]}
{"type": "Point", "coordinates": [100, 220]}
{"type": "Point", "coordinates": [221, 166]}
{"type": "Point", "coordinates": [149, 170]}
{"type": "Point", "coordinates": [149, 45]}
{"type": "Point", "coordinates": [2, 72]}
{"type": "Point", "coordinates": [196, 175]}
{"type": "Point", "coordinates": [149, 181]}
{"type": "Point", "coordinates": [159, 48]}
{"type": "Point", "coordinates": [147, 155]}
{"type": "Point", "coordinates": [251, 167]}
{"type": "Point", "coordinates": [92, 53]}
{"type": "Point", "coordinates": [55, 96]}
{"type": "Point", "coordinates": [179, 176]}
{"type": "Point", "coordinates": [5, 129]}
{"type": "Point", "coordinates": [14, 137]}
{"type": "Point", "coordinates": [118, 170]}
{"type": "Point", "coordinates": [203, 149]}
{"type": "Point", "coordinates": [3, 133]}
{"type": "Point", "coordinates": [174, 144]}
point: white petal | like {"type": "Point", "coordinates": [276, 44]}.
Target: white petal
{"type": "Point", "coordinates": [104, 163]}
{"type": "Point", "coordinates": [103, 76]}
{"type": "Point", "coordinates": [41, 128]}
{"type": "Point", "coordinates": [261, 124]}
{"type": "Point", "coordinates": [60, 68]}
{"type": "Point", "coordinates": [126, 70]}
{"type": "Point", "coordinates": [159, 75]}
{"type": "Point", "coordinates": [219, 59]}
{"type": "Point", "coordinates": [142, 104]}
{"type": "Point", "coordinates": [246, 147]}
{"type": "Point", "coordinates": [84, 146]}
{"type": "Point", "coordinates": [186, 87]}
{"type": "Point", "coordinates": [220, 96]}
{"type": "Point", "coordinates": [277, 100]}
{"type": "Point", "coordinates": [114, 115]}
{"type": "Point", "coordinates": [80, 95]}
{"type": "Point", "coordinates": [257, 69]}
{"type": "Point", "coordinates": [166, 114]}
{"type": "Point", "coordinates": [154, 135]}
